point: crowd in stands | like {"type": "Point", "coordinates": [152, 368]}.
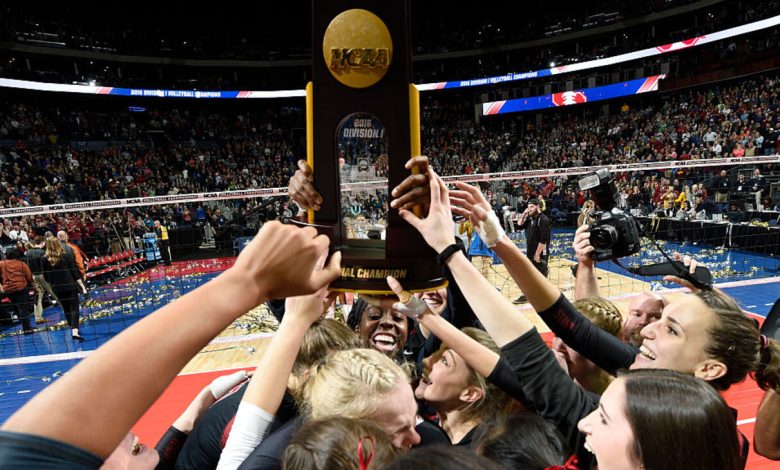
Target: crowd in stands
{"type": "Point", "coordinates": [59, 154]}
{"type": "Point", "coordinates": [724, 121]}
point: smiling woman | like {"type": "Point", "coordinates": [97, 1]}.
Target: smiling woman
{"type": "Point", "coordinates": [462, 397]}
{"type": "Point", "coordinates": [383, 329]}
{"type": "Point", "coordinates": [644, 416]}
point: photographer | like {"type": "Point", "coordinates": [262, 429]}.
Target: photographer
{"type": "Point", "coordinates": [642, 309]}
{"type": "Point", "coordinates": [537, 227]}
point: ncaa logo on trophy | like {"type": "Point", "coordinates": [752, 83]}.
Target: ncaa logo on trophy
{"type": "Point", "coordinates": [362, 126]}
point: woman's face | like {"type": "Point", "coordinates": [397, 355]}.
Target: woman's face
{"type": "Point", "coordinates": [448, 382]}
{"type": "Point", "coordinates": [678, 340]}
{"type": "Point", "coordinates": [427, 363]}
{"type": "Point", "coordinates": [397, 416]}
{"type": "Point", "coordinates": [608, 433]}
{"type": "Point", "coordinates": [385, 330]}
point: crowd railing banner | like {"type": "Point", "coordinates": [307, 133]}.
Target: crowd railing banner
{"type": "Point", "coordinates": [379, 183]}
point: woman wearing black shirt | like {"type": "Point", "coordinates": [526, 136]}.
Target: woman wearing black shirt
{"type": "Point", "coordinates": [60, 271]}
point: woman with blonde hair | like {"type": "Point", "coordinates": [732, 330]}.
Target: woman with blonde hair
{"type": "Point", "coordinates": [59, 270]}
{"type": "Point", "coordinates": [586, 214]}
{"type": "Point", "coordinates": [355, 384]}
{"type": "Point", "coordinates": [206, 442]}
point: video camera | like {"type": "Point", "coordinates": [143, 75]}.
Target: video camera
{"type": "Point", "coordinates": [614, 233]}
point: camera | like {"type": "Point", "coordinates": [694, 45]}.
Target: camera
{"type": "Point", "coordinates": [614, 233]}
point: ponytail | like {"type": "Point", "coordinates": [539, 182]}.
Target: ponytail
{"type": "Point", "coordinates": [767, 374]}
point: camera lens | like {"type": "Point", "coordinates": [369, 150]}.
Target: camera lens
{"type": "Point", "coordinates": [603, 237]}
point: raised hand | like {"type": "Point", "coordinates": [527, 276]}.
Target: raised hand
{"type": "Point", "coordinates": [437, 228]}
{"type": "Point", "coordinates": [414, 190]}
{"type": "Point", "coordinates": [582, 246]}
{"type": "Point", "coordinates": [689, 263]}
{"type": "Point", "coordinates": [280, 262]}
{"type": "Point", "coordinates": [312, 307]}
{"type": "Point", "coordinates": [469, 201]}
{"type": "Point", "coordinates": [408, 304]}
{"type": "Point", "coordinates": [301, 187]}
{"type": "Point", "coordinates": [465, 199]}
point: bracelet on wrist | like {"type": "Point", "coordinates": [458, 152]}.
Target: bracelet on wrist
{"type": "Point", "coordinates": [447, 253]}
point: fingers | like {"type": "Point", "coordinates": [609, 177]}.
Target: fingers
{"type": "Point", "coordinates": [580, 236]}
{"type": "Point", "coordinates": [423, 201]}
{"type": "Point", "coordinates": [479, 214]}
{"type": "Point", "coordinates": [444, 191]}
{"type": "Point", "coordinates": [584, 249]}
{"type": "Point", "coordinates": [395, 286]}
{"type": "Point", "coordinates": [473, 190]}
{"type": "Point", "coordinates": [581, 244]}
{"type": "Point", "coordinates": [420, 161]}
{"type": "Point", "coordinates": [693, 265]}
{"type": "Point", "coordinates": [435, 188]}
{"type": "Point", "coordinates": [305, 168]}
{"type": "Point", "coordinates": [413, 220]}
{"type": "Point", "coordinates": [413, 188]}
{"type": "Point", "coordinates": [330, 273]}
{"type": "Point", "coordinates": [302, 189]}
{"type": "Point", "coordinates": [681, 282]}
{"type": "Point", "coordinates": [410, 182]}
{"type": "Point", "coordinates": [309, 232]}
{"type": "Point", "coordinates": [321, 261]}
{"type": "Point", "coordinates": [460, 211]}
{"type": "Point", "coordinates": [687, 261]}
{"type": "Point", "coordinates": [460, 202]}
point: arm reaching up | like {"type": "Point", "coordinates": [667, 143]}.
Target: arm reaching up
{"type": "Point", "coordinates": [266, 389]}
{"type": "Point", "coordinates": [498, 316]}
{"type": "Point", "coordinates": [586, 283]}
{"type": "Point", "coordinates": [117, 383]}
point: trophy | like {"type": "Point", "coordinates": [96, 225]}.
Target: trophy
{"type": "Point", "coordinates": [363, 125]}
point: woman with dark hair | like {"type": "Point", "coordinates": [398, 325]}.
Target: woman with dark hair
{"type": "Point", "coordinates": [59, 269]}
{"type": "Point", "coordinates": [339, 444]}
{"type": "Point", "coordinates": [705, 334]}
{"type": "Point", "coordinates": [16, 282]}
{"type": "Point", "coordinates": [524, 441]}
{"type": "Point", "coordinates": [383, 329]}
{"type": "Point", "coordinates": [646, 414]}
{"type": "Point", "coordinates": [442, 458]}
